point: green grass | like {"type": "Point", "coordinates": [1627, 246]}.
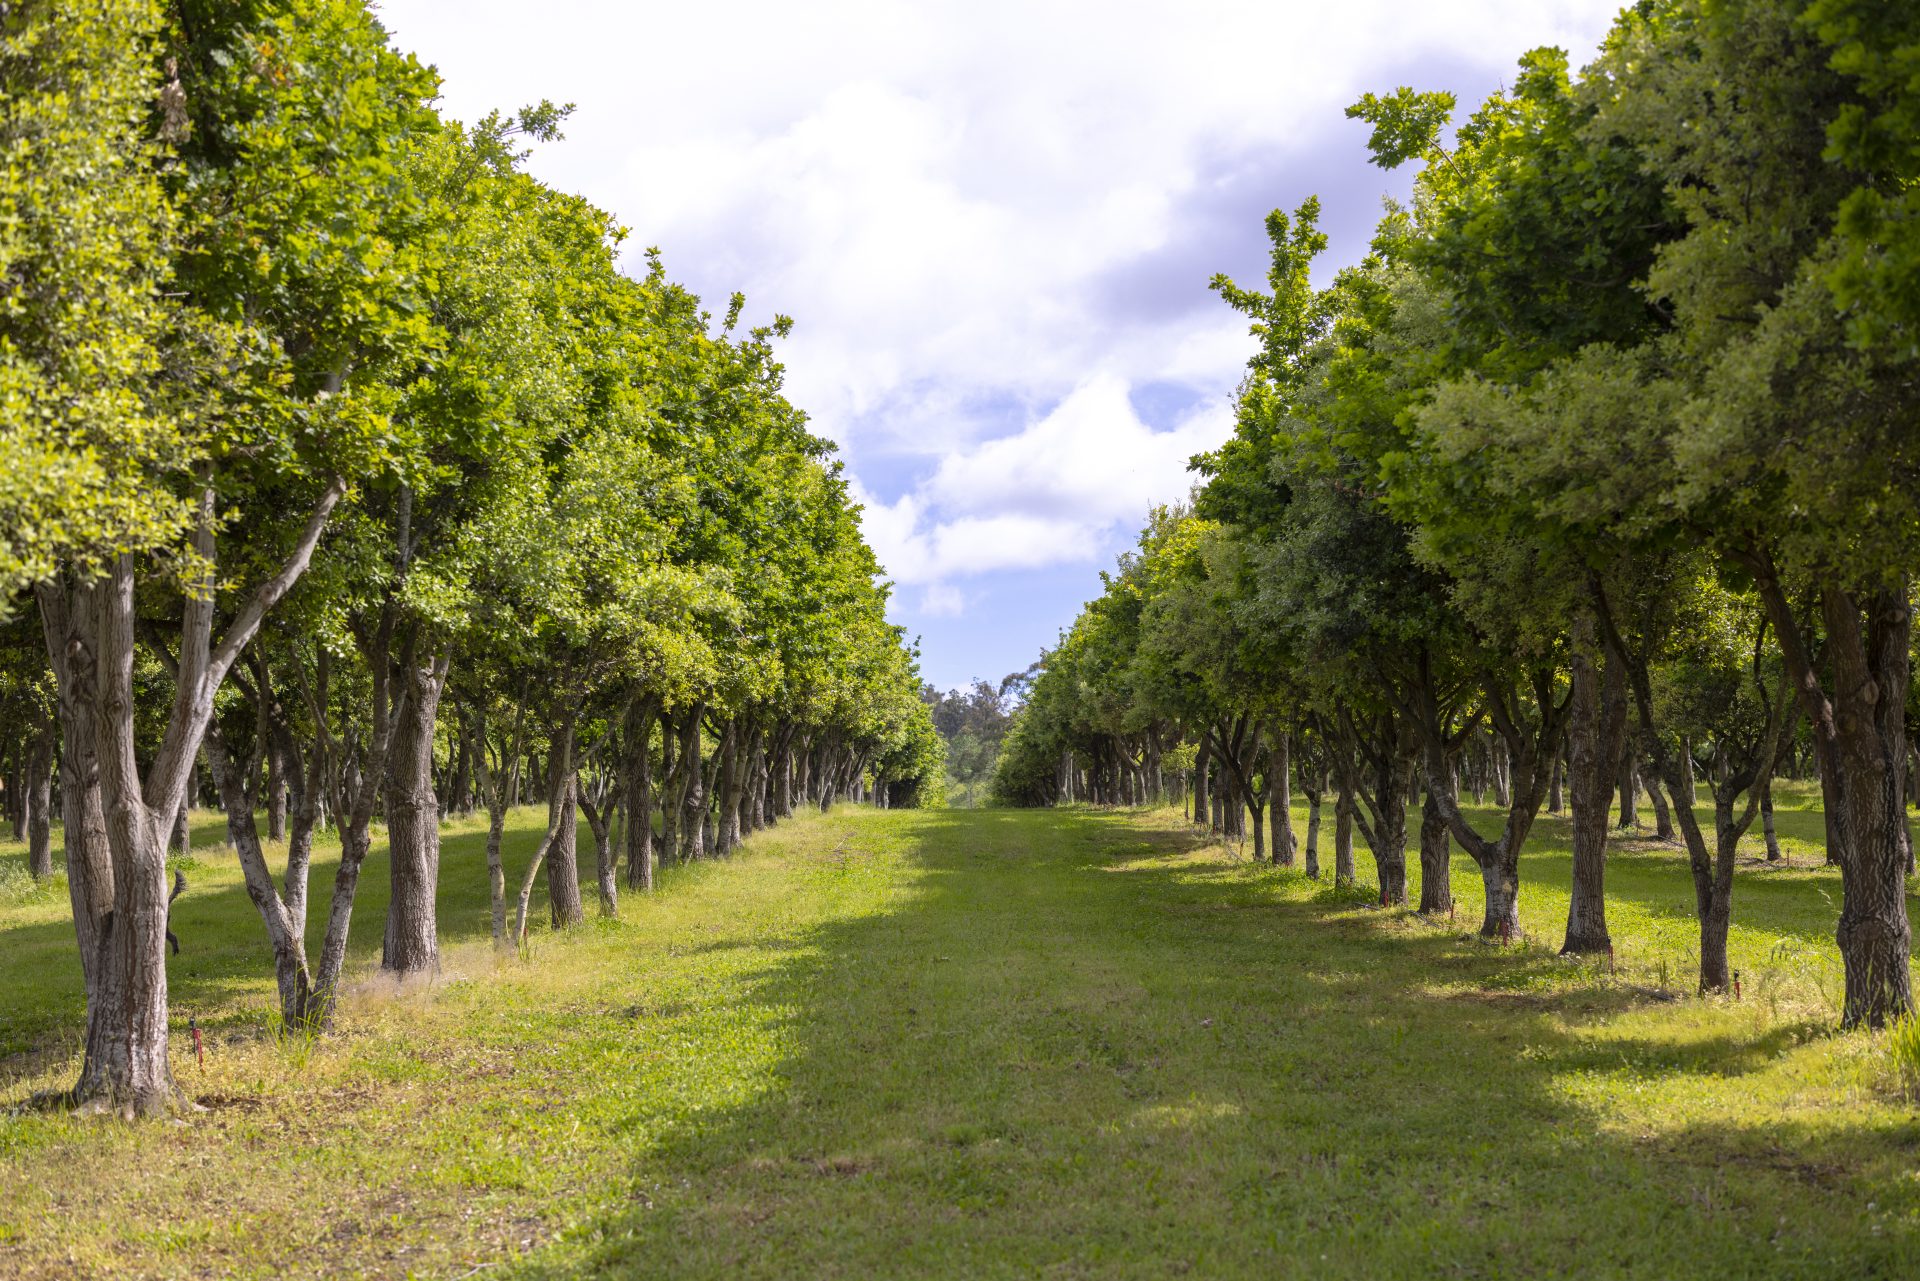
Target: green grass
{"type": "Point", "coordinates": [987, 1043]}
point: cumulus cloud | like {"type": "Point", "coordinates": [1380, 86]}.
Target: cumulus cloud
{"type": "Point", "coordinates": [951, 196]}
{"type": "Point", "coordinates": [993, 220]}
{"type": "Point", "coordinates": [943, 600]}
{"type": "Point", "coordinates": [1092, 458]}
{"type": "Point", "coordinates": [1050, 494]}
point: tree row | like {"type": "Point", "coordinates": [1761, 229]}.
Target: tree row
{"type": "Point", "coordinates": [346, 480]}
{"type": "Point", "coordinates": [1603, 462]}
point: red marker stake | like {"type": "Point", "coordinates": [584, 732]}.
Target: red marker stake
{"type": "Point", "coordinates": [199, 1054]}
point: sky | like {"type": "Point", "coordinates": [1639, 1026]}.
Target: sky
{"type": "Point", "coordinates": [993, 225]}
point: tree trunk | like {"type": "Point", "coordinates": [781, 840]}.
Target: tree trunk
{"type": "Point", "coordinates": [1436, 860]}
{"type": "Point", "coordinates": [355, 793]}
{"type": "Point", "coordinates": [1280, 796]}
{"type": "Point", "coordinates": [783, 765]}
{"type": "Point", "coordinates": [125, 1067]}
{"type": "Point", "coordinates": [1629, 776]}
{"type": "Point", "coordinates": [412, 942]}
{"type": "Point", "coordinates": [691, 797]}
{"type": "Point", "coordinates": [1202, 759]}
{"type": "Point", "coordinates": [563, 861]}
{"type": "Point", "coordinates": [276, 790]}
{"type": "Point", "coordinates": [1766, 823]}
{"type": "Point", "coordinates": [1662, 815]}
{"type": "Point", "coordinates": [554, 815]}
{"type": "Point", "coordinates": [673, 786]}
{"type": "Point", "coordinates": [1500, 876]}
{"type": "Point", "coordinates": [1314, 796]}
{"type": "Point", "coordinates": [459, 799]}
{"type": "Point", "coordinates": [732, 780]}
{"type": "Point", "coordinates": [600, 821]}
{"type": "Point", "coordinates": [802, 793]}
{"type": "Point", "coordinates": [37, 799]}
{"type": "Point", "coordinates": [639, 740]}
{"type": "Point", "coordinates": [497, 793]}
{"type": "Point", "coordinates": [1343, 838]}
{"type": "Point", "coordinates": [285, 932]}
{"type": "Point", "coordinates": [69, 621]}
{"type": "Point", "coordinates": [1375, 769]}
{"type": "Point", "coordinates": [1532, 729]}
{"type": "Point", "coordinates": [12, 791]}
{"type": "Point", "coordinates": [1596, 737]}
{"type": "Point", "coordinates": [1390, 830]}
{"type": "Point", "coordinates": [1859, 724]}
{"type": "Point", "coordinates": [1713, 895]}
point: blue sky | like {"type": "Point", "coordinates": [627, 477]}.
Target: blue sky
{"type": "Point", "coordinates": [993, 224]}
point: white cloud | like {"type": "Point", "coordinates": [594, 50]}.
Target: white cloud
{"type": "Point", "coordinates": [936, 191]}
{"type": "Point", "coordinates": [992, 220]}
{"type": "Point", "coordinates": [943, 600]}
{"type": "Point", "coordinates": [1091, 458]}
{"type": "Point", "coordinates": [1053, 493]}
{"type": "Point", "coordinates": [919, 546]}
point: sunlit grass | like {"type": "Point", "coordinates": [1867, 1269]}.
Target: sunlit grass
{"type": "Point", "coordinates": [986, 1043]}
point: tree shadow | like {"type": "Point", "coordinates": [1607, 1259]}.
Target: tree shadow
{"type": "Point", "coordinates": [223, 974]}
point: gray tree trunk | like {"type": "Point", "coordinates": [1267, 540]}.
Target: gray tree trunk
{"type": "Point", "coordinates": [563, 861]}
{"type": "Point", "coordinates": [1500, 878]}
{"type": "Point", "coordinates": [497, 792]}
{"type": "Point", "coordinates": [1629, 792]}
{"type": "Point", "coordinates": [732, 780]}
{"type": "Point", "coordinates": [1662, 815]}
{"type": "Point", "coordinates": [1596, 737]}
{"type": "Point", "coordinates": [69, 620]}
{"type": "Point", "coordinates": [600, 821]}
{"type": "Point", "coordinates": [1280, 796]}
{"type": "Point", "coordinates": [1202, 759]}
{"type": "Point", "coordinates": [412, 942]}
{"type": "Point", "coordinates": [120, 890]}
{"type": "Point", "coordinates": [1343, 873]}
{"type": "Point", "coordinates": [1312, 853]}
{"type": "Point", "coordinates": [1436, 860]}
{"type": "Point", "coordinates": [37, 800]}
{"type": "Point", "coordinates": [639, 834]}
{"type": "Point", "coordinates": [691, 797]}
{"type": "Point", "coordinates": [1859, 723]}
{"type": "Point", "coordinates": [285, 930]}
{"type": "Point", "coordinates": [276, 788]}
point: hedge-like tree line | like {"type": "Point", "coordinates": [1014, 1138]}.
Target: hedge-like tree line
{"type": "Point", "coordinates": [344, 478]}
{"type": "Point", "coordinates": [1604, 462]}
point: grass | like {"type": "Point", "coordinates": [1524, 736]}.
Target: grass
{"type": "Point", "coordinates": [987, 1043]}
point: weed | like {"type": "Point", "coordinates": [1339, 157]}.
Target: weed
{"type": "Point", "coordinates": [1903, 1052]}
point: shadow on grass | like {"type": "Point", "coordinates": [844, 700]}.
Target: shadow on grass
{"type": "Point", "coordinates": [225, 963]}
{"type": "Point", "coordinates": [1030, 1069]}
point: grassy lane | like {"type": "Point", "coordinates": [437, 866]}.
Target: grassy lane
{"type": "Point", "coordinates": [990, 1043]}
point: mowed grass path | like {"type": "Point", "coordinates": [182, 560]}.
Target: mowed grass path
{"type": "Point", "coordinates": [992, 1043]}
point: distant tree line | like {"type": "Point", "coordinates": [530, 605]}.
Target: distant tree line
{"type": "Point", "coordinates": [973, 723]}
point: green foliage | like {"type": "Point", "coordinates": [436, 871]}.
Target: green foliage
{"type": "Point", "coordinates": [1406, 124]}
{"type": "Point", "coordinates": [86, 457]}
